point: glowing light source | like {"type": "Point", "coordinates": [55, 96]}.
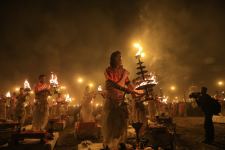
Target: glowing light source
{"type": "Point", "coordinates": [220, 83]}
{"type": "Point", "coordinates": [149, 80]}
{"type": "Point", "coordinates": [90, 84]}
{"type": "Point", "coordinates": [100, 88]}
{"type": "Point", "coordinates": [80, 80]}
{"type": "Point", "coordinates": [165, 99]}
{"type": "Point", "coordinates": [54, 80]}
{"type": "Point", "coordinates": [17, 89]}
{"type": "Point", "coordinates": [68, 98]}
{"type": "Point", "coordinates": [142, 54]}
{"type": "Point", "coordinates": [139, 48]}
{"type": "Point", "coordinates": [8, 95]}
{"type": "Point", "coordinates": [26, 85]}
{"type": "Point", "coordinates": [172, 88]}
{"type": "Point", "coordinates": [62, 87]}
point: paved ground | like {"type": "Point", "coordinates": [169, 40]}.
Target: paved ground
{"type": "Point", "coordinates": [190, 133]}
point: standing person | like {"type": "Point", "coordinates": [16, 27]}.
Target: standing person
{"type": "Point", "coordinates": [86, 106]}
{"type": "Point", "coordinates": [20, 112]}
{"type": "Point", "coordinates": [41, 109]}
{"type": "Point", "coordinates": [2, 107]}
{"type": "Point", "coordinates": [205, 102]}
{"type": "Point", "coordinates": [12, 106]}
{"type": "Point", "coordinates": [115, 111]}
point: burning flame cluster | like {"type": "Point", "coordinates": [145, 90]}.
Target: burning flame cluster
{"type": "Point", "coordinates": [149, 80]}
{"type": "Point", "coordinates": [100, 88]}
{"type": "Point", "coordinates": [8, 95]}
{"type": "Point", "coordinates": [54, 80]}
{"type": "Point", "coordinates": [140, 49]}
{"type": "Point", "coordinates": [26, 85]}
{"type": "Point", "coordinates": [68, 98]}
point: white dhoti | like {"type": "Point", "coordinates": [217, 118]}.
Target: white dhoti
{"type": "Point", "coordinates": [40, 114]}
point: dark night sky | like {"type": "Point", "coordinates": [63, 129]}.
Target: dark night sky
{"type": "Point", "coordinates": [184, 40]}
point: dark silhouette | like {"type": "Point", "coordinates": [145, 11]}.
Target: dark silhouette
{"type": "Point", "coordinates": [206, 103]}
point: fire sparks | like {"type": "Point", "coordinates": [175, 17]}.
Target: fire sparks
{"type": "Point", "coordinates": [54, 80]}
{"type": "Point", "coordinates": [26, 85]}
{"type": "Point", "coordinates": [8, 95]}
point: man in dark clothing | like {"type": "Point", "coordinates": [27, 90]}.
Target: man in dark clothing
{"type": "Point", "coordinates": [205, 102]}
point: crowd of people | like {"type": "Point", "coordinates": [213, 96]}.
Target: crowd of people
{"type": "Point", "coordinates": [27, 107]}
{"type": "Point", "coordinates": [115, 114]}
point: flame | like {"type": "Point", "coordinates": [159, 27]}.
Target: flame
{"type": "Point", "coordinates": [149, 80]}
{"type": "Point", "coordinates": [145, 103]}
{"type": "Point", "coordinates": [97, 105]}
{"type": "Point", "coordinates": [26, 85]}
{"type": "Point", "coordinates": [142, 54]}
{"type": "Point", "coordinates": [62, 87]}
{"type": "Point", "coordinates": [100, 88]}
{"type": "Point", "coordinates": [54, 80]}
{"type": "Point", "coordinates": [90, 84]}
{"type": "Point", "coordinates": [139, 48]}
{"type": "Point", "coordinates": [165, 99]}
{"type": "Point", "coordinates": [68, 98]}
{"type": "Point", "coordinates": [8, 94]}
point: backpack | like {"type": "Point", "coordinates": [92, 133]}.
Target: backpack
{"type": "Point", "coordinates": [216, 107]}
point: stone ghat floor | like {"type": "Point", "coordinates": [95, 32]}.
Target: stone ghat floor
{"type": "Point", "coordinates": [190, 133]}
{"type": "Point", "coordinates": [189, 130]}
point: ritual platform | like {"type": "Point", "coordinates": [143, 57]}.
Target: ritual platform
{"type": "Point", "coordinates": [56, 124]}
{"type": "Point", "coordinates": [219, 119]}
{"type": "Point", "coordinates": [87, 130]}
{"type": "Point", "coordinates": [33, 140]}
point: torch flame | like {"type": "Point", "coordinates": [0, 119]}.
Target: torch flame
{"type": "Point", "coordinates": [8, 94]}
{"type": "Point", "coordinates": [139, 48]}
{"type": "Point", "coordinates": [165, 99]}
{"type": "Point", "coordinates": [54, 80]}
{"type": "Point", "coordinates": [68, 98]}
{"type": "Point", "coordinates": [100, 88]}
{"type": "Point", "coordinates": [149, 80]}
{"type": "Point", "coordinates": [26, 85]}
